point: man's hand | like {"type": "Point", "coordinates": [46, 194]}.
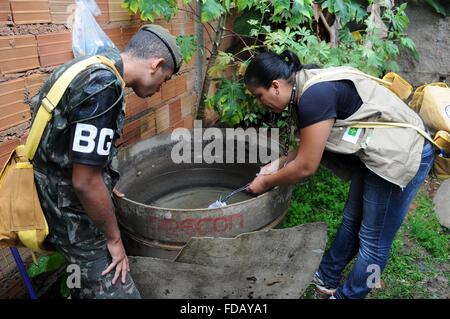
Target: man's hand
{"type": "Point", "coordinates": [258, 185]}
{"type": "Point", "coordinates": [119, 260]}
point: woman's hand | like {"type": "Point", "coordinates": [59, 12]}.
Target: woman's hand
{"type": "Point", "coordinates": [272, 167]}
{"type": "Point", "coordinates": [117, 193]}
{"type": "Point", "coordinates": [258, 185]}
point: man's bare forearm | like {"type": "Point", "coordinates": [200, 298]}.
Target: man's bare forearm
{"type": "Point", "coordinates": [96, 200]}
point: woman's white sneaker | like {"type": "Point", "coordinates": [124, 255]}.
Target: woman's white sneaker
{"type": "Point", "coordinates": [321, 286]}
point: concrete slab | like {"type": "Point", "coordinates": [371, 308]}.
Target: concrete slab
{"type": "Point", "coordinates": [275, 263]}
{"type": "Point", "coordinates": [442, 203]}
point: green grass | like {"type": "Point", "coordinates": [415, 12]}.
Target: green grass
{"type": "Point", "coordinates": [419, 251]}
{"type": "Point", "coordinates": [423, 225]}
{"type": "Point", "coordinates": [320, 198]}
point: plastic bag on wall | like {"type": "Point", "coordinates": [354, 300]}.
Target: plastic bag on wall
{"type": "Point", "coordinates": [88, 38]}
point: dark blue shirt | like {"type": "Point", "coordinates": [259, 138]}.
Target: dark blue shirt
{"type": "Point", "coordinates": [328, 100]}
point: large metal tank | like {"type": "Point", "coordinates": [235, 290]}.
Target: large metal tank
{"type": "Point", "coordinates": [165, 203]}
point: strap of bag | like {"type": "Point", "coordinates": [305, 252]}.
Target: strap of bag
{"type": "Point", "coordinates": [371, 124]}
{"type": "Point", "coordinates": [54, 95]}
{"type": "Point", "coordinates": [336, 72]}
{"type": "Point", "coordinates": [393, 124]}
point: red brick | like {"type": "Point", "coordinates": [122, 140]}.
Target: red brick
{"type": "Point", "coordinates": [18, 53]}
{"type": "Point", "coordinates": [148, 126]}
{"type": "Point", "coordinates": [190, 81]}
{"type": "Point", "coordinates": [131, 131]}
{"type": "Point", "coordinates": [34, 82]}
{"type": "Point", "coordinates": [115, 34]}
{"type": "Point", "coordinates": [162, 119]}
{"type": "Point", "coordinates": [104, 8]}
{"type": "Point", "coordinates": [179, 124]}
{"type": "Point", "coordinates": [54, 48]}
{"type": "Point", "coordinates": [189, 28]}
{"type": "Point", "coordinates": [36, 11]}
{"type": "Point", "coordinates": [131, 127]}
{"type": "Point", "coordinates": [132, 140]}
{"type": "Point", "coordinates": [14, 119]}
{"type": "Point", "coordinates": [192, 61]}
{"type": "Point", "coordinates": [187, 105]}
{"type": "Point", "coordinates": [164, 24]}
{"type": "Point", "coordinates": [180, 84]}
{"type": "Point", "coordinates": [7, 146]}
{"type": "Point", "coordinates": [11, 91]}
{"type": "Point", "coordinates": [177, 28]}
{"type": "Point", "coordinates": [168, 90]}
{"type": "Point", "coordinates": [5, 11]}
{"type": "Point", "coordinates": [12, 110]}
{"type": "Point", "coordinates": [117, 13]}
{"type": "Point", "coordinates": [128, 31]}
{"type": "Point", "coordinates": [175, 112]}
{"type": "Point", "coordinates": [61, 11]}
{"type": "Point", "coordinates": [188, 122]}
{"type": "Point", "coordinates": [154, 100]}
{"type": "Point", "coordinates": [134, 104]}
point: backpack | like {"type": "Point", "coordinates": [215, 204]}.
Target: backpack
{"type": "Point", "coordinates": [22, 221]}
{"type": "Point", "coordinates": [432, 102]}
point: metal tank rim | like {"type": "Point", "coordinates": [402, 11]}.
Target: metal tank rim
{"type": "Point", "coordinates": [268, 193]}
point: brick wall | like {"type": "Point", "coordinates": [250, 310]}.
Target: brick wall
{"type": "Point", "coordinates": [29, 52]}
{"type": "Point", "coordinates": [34, 41]}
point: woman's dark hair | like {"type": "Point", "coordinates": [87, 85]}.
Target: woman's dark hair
{"type": "Point", "coordinates": [269, 66]}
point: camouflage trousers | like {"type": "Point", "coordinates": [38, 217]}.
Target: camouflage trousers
{"type": "Point", "coordinates": [74, 235]}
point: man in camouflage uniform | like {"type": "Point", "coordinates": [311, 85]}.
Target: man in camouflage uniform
{"type": "Point", "coordinates": [72, 164]}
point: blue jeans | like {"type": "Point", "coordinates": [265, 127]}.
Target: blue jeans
{"type": "Point", "coordinates": [373, 213]}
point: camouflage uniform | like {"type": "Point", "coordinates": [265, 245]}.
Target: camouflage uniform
{"type": "Point", "coordinates": [71, 231]}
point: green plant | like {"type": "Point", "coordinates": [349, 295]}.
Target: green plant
{"type": "Point", "coordinates": [49, 264]}
{"type": "Point", "coordinates": [419, 250]}
{"type": "Point", "coordinates": [423, 225]}
{"type": "Point", "coordinates": [234, 104]}
{"type": "Point", "coordinates": [320, 198]}
{"type": "Point", "coordinates": [317, 30]}
{"type": "Point", "coordinates": [440, 6]}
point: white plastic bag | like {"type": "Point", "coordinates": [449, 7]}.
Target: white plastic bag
{"type": "Point", "coordinates": [88, 37]}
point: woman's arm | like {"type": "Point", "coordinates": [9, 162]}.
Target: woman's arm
{"type": "Point", "coordinates": [313, 139]}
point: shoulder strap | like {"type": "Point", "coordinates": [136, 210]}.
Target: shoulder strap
{"type": "Point", "coordinates": [391, 80]}
{"type": "Point", "coordinates": [393, 124]}
{"type": "Point", "coordinates": [336, 72]}
{"type": "Point", "coordinates": [54, 95]}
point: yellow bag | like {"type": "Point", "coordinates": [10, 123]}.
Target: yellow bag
{"type": "Point", "coordinates": [441, 167]}
{"type": "Point", "coordinates": [21, 216]}
{"type": "Point", "coordinates": [432, 102]}
{"type": "Point", "coordinates": [398, 85]}
{"type": "Point", "coordinates": [435, 108]}
{"type": "Point", "coordinates": [22, 221]}
{"type": "Point", "coordinates": [416, 101]}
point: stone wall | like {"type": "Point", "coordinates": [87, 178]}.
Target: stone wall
{"type": "Point", "coordinates": [431, 33]}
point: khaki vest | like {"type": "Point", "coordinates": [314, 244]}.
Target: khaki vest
{"type": "Point", "coordinates": [392, 153]}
